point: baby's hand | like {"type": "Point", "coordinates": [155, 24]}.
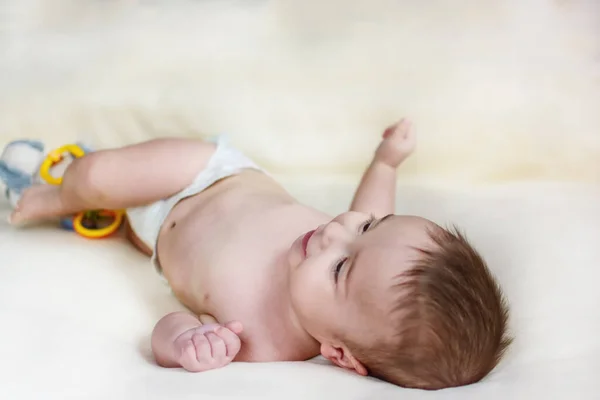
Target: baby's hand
{"type": "Point", "coordinates": [398, 143]}
{"type": "Point", "coordinates": [208, 346]}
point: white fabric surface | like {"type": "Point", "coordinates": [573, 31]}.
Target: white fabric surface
{"type": "Point", "coordinates": [76, 314]}
{"type": "Point", "coordinates": [505, 96]}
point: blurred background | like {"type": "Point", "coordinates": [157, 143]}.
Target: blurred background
{"type": "Point", "coordinates": [498, 90]}
{"type": "Point", "coordinates": [504, 96]}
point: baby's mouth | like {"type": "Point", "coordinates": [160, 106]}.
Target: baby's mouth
{"type": "Point", "coordinates": [305, 240]}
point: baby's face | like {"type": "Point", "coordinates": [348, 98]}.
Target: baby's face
{"type": "Point", "coordinates": [342, 270]}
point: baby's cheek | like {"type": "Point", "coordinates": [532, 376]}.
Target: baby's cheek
{"type": "Point", "coordinates": [306, 286]}
{"type": "Point", "coordinates": [297, 286]}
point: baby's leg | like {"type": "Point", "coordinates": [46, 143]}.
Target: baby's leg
{"type": "Point", "coordinates": [120, 178]}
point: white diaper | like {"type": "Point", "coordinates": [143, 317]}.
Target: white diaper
{"type": "Point", "coordinates": [146, 221]}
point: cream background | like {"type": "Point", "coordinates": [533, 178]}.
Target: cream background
{"type": "Point", "coordinates": [499, 90]}
{"type": "Point", "coordinates": [505, 96]}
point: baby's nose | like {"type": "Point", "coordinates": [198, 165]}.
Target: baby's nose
{"type": "Point", "coordinates": [334, 233]}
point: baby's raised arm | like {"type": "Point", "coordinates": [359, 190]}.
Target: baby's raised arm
{"type": "Point", "coordinates": [180, 339]}
{"type": "Point", "coordinates": [376, 192]}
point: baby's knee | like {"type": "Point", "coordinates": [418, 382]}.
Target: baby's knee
{"type": "Point", "coordinates": [86, 176]}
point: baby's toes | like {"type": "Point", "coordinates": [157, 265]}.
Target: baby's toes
{"type": "Point", "coordinates": [37, 202]}
{"type": "Point", "coordinates": [17, 216]}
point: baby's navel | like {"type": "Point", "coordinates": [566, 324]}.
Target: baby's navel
{"type": "Point", "coordinates": [173, 225]}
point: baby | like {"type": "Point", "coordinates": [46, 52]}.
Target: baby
{"type": "Point", "coordinates": [269, 279]}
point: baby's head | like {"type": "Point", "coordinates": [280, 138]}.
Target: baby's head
{"type": "Point", "coordinates": [399, 298]}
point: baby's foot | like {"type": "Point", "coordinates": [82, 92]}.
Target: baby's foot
{"type": "Point", "coordinates": [37, 202]}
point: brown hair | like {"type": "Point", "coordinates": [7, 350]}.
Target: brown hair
{"type": "Point", "coordinates": [449, 320]}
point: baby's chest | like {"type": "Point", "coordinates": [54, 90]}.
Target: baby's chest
{"type": "Point", "coordinates": [236, 287]}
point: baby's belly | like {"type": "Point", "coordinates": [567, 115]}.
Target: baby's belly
{"type": "Point", "coordinates": [212, 272]}
{"type": "Point", "coordinates": [204, 251]}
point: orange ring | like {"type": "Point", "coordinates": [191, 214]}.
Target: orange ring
{"type": "Point", "coordinates": [98, 233]}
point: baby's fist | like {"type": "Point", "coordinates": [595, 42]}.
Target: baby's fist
{"type": "Point", "coordinates": [208, 346]}
{"type": "Point", "coordinates": [398, 143]}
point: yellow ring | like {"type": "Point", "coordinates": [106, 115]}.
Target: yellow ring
{"type": "Point", "coordinates": [98, 233]}
{"type": "Point", "coordinates": [54, 157]}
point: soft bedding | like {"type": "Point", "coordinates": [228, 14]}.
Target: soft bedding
{"type": "Point", "coordinates": [77, 314]}
{"type": "Point", "coordinates": [504, 97]}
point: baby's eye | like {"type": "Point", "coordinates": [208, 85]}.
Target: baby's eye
{"type": "Point", "coordinates": [365, 227]}
{"type": "Point", "coordinates": [338, 268]}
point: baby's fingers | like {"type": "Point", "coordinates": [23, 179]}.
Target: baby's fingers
{"type": "Point", "coordinates": [401, 129]}
{"type": "Point", "coordinates": [217, 346]}
{"type": "Point", "coordinates": [203, 349]}
{"type": "Point", "coordinates": [231, 340]}
{"type": "Point", "coordinates": [235, 326]}
{"type": "Point", "coordinates": [188, 357]}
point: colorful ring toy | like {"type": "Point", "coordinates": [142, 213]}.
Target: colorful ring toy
{"type": "Point", "coordinates": [56, 156]}
{"type": "Point", "coordinates": [98, 233]}
{"type": "Point", "coordinates": [76, 223]}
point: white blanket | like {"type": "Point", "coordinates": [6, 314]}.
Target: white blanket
{"type": "Point", "coordinates": [76, 314]}
{"type": "Point", "coordinates": [505, 98]}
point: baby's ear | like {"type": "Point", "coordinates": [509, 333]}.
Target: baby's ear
{"type": "Point", "coordinates": [342, 357]}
